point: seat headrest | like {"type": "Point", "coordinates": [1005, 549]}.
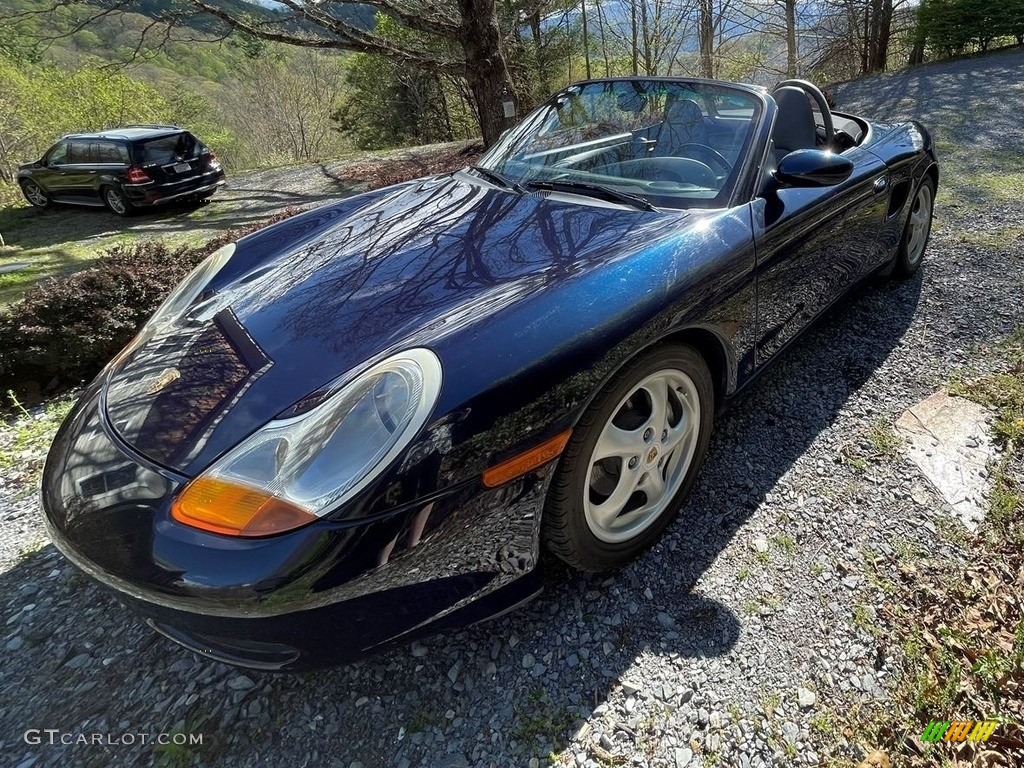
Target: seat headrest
{"type": "Point", "coordinates": [683, 112]}
{"type": "Point", "coordinates": [794, 126]}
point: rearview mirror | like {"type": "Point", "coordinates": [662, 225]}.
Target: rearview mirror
{"type": "Point", "coordinates": [813, 168]}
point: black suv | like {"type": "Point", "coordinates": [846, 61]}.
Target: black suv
{"type": "Point", "coordinates": [123, 168]}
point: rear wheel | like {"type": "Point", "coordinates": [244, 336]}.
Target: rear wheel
{"type": "Point", "coordinates": [631, 461]}
{"type": "Point", "coordinates": [917, 231]}
{"type": "Point", "coordinates": [35, 195]}
{"type": "Point", "coordinates": [116, 201]}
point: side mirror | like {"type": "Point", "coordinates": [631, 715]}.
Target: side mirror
{"type": "Point", "coordinates": [813, 168]}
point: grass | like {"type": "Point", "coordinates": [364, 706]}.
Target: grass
{"type": "Point", "coordinates": [864, 618]}
{"type": "Point", "coordinates": [63, 241]}
{"type": "Point", "coordinates": [541, 719]}
{"type": "Point", "coordinates": [1004, 393]}
{"type": "Point", "coordinates": [822, 723]}
{"type": "Point", "coordinates": [181, 755]}
{"type": "Point", "coordinates": [785, 545]}
{"type": "Point", "coordinates": [883, 438]}
{"type": "Point", "coordinates": [770, 703]}
{"type": "Point", "coordinates": [974, 176]}
{"type": "Point", "coordinates": [422, 720]}
{"type": "Point", "coordinates": [992, 238]}
{"type": "Point", "coordinates": [28, 433]}
{"type": "Point", "coordinates": [954, 623]}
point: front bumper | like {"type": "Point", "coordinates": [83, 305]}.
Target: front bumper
{"type": "Point", "coordinates": [322, 595]}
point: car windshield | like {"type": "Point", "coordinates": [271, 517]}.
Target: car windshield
{"type": "Point", "coordinates": [673, 143]}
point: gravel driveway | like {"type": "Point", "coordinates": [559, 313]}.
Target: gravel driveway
{"type": "Point", "coordinates": [740, 640]}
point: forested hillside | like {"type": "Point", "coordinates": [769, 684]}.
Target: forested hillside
{"type": "Point", "coordinates": [350, 79]}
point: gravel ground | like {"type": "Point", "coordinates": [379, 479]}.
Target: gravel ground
{"type": "Point", "coordinates": [739, 640]}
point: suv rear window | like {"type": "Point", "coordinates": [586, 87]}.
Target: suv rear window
{"type": "Point", "coordinates": [167, 149]}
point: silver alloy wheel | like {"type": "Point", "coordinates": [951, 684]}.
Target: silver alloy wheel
{"type": "Point", "coordinates": [920, 225]}
{"type": "Point", "coordinates": [642, 456]}
{"type": "Point", "coordinates": [34, 194]}
{"type": "Point", "coordinates": [116, 201]}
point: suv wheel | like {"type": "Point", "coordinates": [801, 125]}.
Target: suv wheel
{"type": "Point", "coordinates": [34, 194]}
{"type": "Point", "coordinates": [116, 201]}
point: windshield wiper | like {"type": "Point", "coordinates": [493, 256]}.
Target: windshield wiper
{"type": "Point", "coordinates": [499, 178]}
{"type": "Point", "coordinates": [594, 190]}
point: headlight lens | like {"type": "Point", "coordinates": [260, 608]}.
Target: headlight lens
{"type": "Point", "coordinates": [293, 471]}
{"type": "Point", "coordinates": [190, 288]}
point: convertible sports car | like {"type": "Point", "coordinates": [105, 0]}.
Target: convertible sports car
{"type": "Point", "coordinates": [366, 423]}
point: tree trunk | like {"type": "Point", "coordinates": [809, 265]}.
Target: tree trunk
{"type": "Point", "coordinates": [604, 39]}
{"type": "Point", "coordinates": [706, 33]}
{"type": "Point", "coordinates": [917, 54]}
{"type": "Point", "coordinates": [486, 71]}
{"type": "Point", "coordinates": [646, 27]}
{"type": "Point", "coordinates": [880, 31]}
{"type": "Point", "coordinates": [790, 38]}
{"type": "Point", "coordinates": [586, 38]}
{"type": "Point", "coordinates": [633, 30]}
{"type": "Point", "coordinates": [865, 58]}
{"type": "Point", "coordinates": [538, 51]}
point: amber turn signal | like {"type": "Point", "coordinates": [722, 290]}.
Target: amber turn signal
{"type": "Point", "coordinates": [526, 462]}
{"type": "Point", "coordinates": [221, 506]}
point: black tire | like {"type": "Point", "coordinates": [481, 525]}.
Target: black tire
{"type": "Point", "coordinates": [116, 202]}
{"type": "Point", "coordinates": [911, 251]}
{"type": "Point", "coordinates": [564, 528]}
{"type": "Point", "coordinates": [30, 190]}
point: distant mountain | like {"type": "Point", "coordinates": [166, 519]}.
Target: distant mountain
{"type": "Point", "coordinates": [264, 10]}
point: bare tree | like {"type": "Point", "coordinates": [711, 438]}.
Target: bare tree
{"type": "Point", "coordinates": [789, 10]}
{"type": "Point", "coordinates": [458, 37]}
{"type": "Point", "coordinates": [288, 98]}
{"type": "Point", "coordinates": [650, 34]}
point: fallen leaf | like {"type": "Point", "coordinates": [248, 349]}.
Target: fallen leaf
{"type": "Point", "coordinates": [875, 759]}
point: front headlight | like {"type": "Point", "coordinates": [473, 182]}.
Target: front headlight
{"type": "Point", "coordinates": [293, 471]}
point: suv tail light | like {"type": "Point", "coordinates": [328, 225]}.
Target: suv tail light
{"type": "Point", "coordinates": [137, 176]}
{"type": "Point", "coordinates": [212, 161]}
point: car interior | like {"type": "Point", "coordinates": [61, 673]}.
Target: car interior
{"type": "Point", "coordinates": [806, 121]}
{"type": "Point", "coordinates": [669, 140]}
{"type": "Point", "coordinates": [675, 141]}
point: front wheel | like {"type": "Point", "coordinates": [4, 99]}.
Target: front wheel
{"type": "Point", "coordinates": [917, 230]}
{"type": "Point", "coordinates": [35, 195]}
{"type": "Point", "coordinates": [631, 461]}
{"type": "Point", "coordinates": [116, 201]}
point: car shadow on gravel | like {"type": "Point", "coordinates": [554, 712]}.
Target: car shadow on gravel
{"type": "Point", "coordinates": [238, 205]}
{"type": "Point", "coordinates": [497, 693]}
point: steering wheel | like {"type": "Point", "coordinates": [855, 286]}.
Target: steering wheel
{"type": "Point", "coordinates": [710, 153]}
{"type": "Point", "coordinates": [819, 98]}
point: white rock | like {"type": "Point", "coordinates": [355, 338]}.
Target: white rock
{"type": "Point", "coordinates": [805, 697]}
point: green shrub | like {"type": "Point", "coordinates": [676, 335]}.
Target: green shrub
{"type": "Point", "coordinates": [65, 329]}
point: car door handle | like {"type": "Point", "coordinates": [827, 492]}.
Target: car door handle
{"type": "Point", "coordinates": [881, 184]}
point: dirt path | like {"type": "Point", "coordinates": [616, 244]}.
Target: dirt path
{"type": "Point", "coordinates": [42, 243]}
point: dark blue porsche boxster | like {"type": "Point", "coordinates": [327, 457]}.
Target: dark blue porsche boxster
{"type": "Point", "coordinates": [365, 423]}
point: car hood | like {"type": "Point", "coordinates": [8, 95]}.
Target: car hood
{"type": "Point", "coordinates": [302, 304]}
